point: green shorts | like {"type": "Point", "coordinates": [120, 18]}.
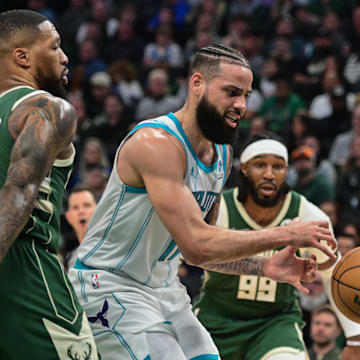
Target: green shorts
{"type": "Point", "coordinates": [251, 339]}
{"type": "Point", "coordinates": [40, 316]}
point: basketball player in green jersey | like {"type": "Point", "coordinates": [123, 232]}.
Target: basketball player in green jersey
{"type": "Point", "coordinates": [40, 316]}
{"type": "Point", "coordinates": [253, 317]}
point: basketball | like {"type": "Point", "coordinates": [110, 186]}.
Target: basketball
{"type": "Point", "coordinates": [345, 285]}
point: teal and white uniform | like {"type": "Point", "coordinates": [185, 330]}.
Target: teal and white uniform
{"type": "Point", "coordinates": [40, 315]}
{"type": "Point", "coordinates": [128, 261]}
{"type": "Point", "coordinates": [252, 317]}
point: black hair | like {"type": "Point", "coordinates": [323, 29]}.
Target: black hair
{"type": "Point", "coordinates": [19, 22]}
{"type": "Point", "coordinates": [242, 180]}
{"type": "Point", "coordinates": [208, 59]}
{"type": "Point", "coordinates": [76, 190]}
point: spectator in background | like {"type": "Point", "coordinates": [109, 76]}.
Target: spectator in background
{"type": "Point", "coordinates": [330, 208]}
{"type": "Point", "coordinates": [164, 52]}
{"type": "Point", "coordinates": [316, 297]}
{"type": "Point", "coordinates": [252, 46]}
{"type": "Point", "coordinates": [325, 328]}
{"type": "Point", "coordinates": [299, 129]}
{"type": "Point", "coordinates": [100, 87]}
{"type": "Point", "coordinates": [84, 123]}
{"type": "Point", "coordinates": [126, 84]}
{"type": "Point", "coordinates": [346, 242]}
{"type": "Point", "coordinates": [321, 105]}
{"type": "Point", "coordinates": [158, 101]}
{"type": "Point", "coordinates": [315, 187]}
{"type": "Point", "coordinates": [340, 149]}
{"type": "Point", "coordinates": [96, 178]}
{"type": "Point", "coordinates": [336, 123]}
{"type": "Point", "coordinates": [111, 126]}
{"type": "Point", "coordinates": [349, 184]}
{"type": "Point", "coordinates": [237, 27]}
{"type": "Point", "coordinates": [201, 39]}
{"type": "Point", "coordinates": [352, 63]}
{"type": "Point", "coordinates": [81, 205]}
{"type": "Point", "coordinates": [125, 45]}
{"type": "Point", "coordinates": [307, 81]}
{"type": "Point", "coordinates": [100, 17]}
{"type": "Point", "coordinates": [324, 168]}
{"type": "Point", "coordinates": [280, 109]}
{"type": "Point", "coordinates": [90, 62]}
{"type": "Point", "coordinates": [93, 154]}
{"type": "Point", "coordinates": [267, 81]}
{"type": "Point", "coordinates": [69, 22]}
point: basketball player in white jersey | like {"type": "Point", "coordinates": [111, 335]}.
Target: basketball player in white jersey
{"type": "Point", "coordinates": [167, 178]}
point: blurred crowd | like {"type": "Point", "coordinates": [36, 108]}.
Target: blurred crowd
{"type": "Point", "coordinates": [129, 60]}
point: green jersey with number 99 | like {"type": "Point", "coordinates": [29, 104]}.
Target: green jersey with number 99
{"type": "Point", "coordinates": [43, 225]}
{"type": "Point", "coordinates": [250, 296]}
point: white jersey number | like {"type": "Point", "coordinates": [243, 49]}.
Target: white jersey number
{"type": "Point", "coordinates": [257, 288]}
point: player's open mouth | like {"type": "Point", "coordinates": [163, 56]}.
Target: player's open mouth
{"type": "Point", "coordinates": [267, 190]}
{"type": "Point", "coordinates": [232, 121]}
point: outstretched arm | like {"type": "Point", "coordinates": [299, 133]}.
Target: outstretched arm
{"type": "Point", "coordinates": [285, 266]}
{"type": "Point", "coordinates": [43, 127]}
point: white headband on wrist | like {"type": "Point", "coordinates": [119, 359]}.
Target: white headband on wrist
{"type": "Point", "coordinates": [266, 146]}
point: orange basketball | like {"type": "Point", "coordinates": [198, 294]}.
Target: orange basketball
{"type": "Point", "coordinates": [345, 285]}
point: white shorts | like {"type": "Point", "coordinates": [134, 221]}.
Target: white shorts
{"type": "Point", "coordinates": [121, 313]}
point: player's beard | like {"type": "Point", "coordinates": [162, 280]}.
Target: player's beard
{"type": "Point", "coordinates": [265, 201]}
{"type": "Point", "coordinates": [55, 88]}
{"type": "Point", "coordinates": [213, 125]}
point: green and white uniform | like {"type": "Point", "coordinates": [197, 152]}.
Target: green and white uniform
{"type": "Point", "coordinates": [252, 317]}
{"type": "Point", "coordinates": [40, 316]}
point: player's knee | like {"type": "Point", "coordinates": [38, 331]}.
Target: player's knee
{"type": "Point", "coordinates": [300, 355]}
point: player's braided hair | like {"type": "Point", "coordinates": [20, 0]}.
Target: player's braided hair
{"type": "Point", "coordinates": [208, 59]}
{"type": "Point", "coordinates": [14, 23]}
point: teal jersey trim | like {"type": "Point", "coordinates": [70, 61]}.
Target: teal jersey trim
{"type": "Point", "coordinates": [224, 162]}
{"type": "Point", "coordinates": [206, 168]}
{"type": "Point", "coordinates": [81, 266]}
{"type": "Point", "coordinates": [206, 357]}
{"type": "Point", "coordinates": [132, 189]}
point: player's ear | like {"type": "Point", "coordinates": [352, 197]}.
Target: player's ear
{"type": "Point", "coordinates": [22, 57]}
{"type": "Point", "coordinates": [197, 82]}
{"type": "Point", "coordinates": [243, 170]}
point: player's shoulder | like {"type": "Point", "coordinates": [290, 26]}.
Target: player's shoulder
{"type": "Point", "coordinates": [309, 211]}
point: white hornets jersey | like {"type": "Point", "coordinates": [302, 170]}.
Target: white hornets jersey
{"type": "Point", "coordinates": [126, 236]}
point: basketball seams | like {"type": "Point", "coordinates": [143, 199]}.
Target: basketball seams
{"type": "Point", "coordinates": [343, 293]}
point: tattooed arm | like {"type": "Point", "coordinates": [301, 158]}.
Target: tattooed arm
{"type": "Point", "coordinates": [43, 127]}
{"type": "Point", "coordinates": [249, 266]}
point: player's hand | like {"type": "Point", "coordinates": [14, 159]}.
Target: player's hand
{"type": "Point", "coordinates": [286, 266]}
{"type": "Point", "coordinates": [351, 353]}
{"type": "Point", "coordinates": [312, 234]}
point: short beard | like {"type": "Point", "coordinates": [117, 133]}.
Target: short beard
{"type": "Point", "coordinates": [213, 125]}
{"type": "Point", "coordinates": [55, 89]}
{"type": "Point", "coordinates": [265, 202]}
{"type": "Point", "coordinates": [323, 344]}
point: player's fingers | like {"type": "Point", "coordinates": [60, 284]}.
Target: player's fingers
{"type": "Point", "coordinates": [323, 224]}
{"type": "Point", "coordinates": [326, 250]}
{"type": "Point", "coordinates": [301, 288]}
{"type": "Point", "coordinates": [329, 238]}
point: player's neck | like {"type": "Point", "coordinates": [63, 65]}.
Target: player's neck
{"type": "Point", "coordinates": [262, 215]}
{"type": "Point", "coordinates": [11, 79]}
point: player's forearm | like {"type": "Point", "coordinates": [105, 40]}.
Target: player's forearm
{"type": "Point", "coordinates": [249, 266]}
{"type": "Point", "coordinates": [218, 245]}
{"type": "Point", "coordinates": [16, 204]}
